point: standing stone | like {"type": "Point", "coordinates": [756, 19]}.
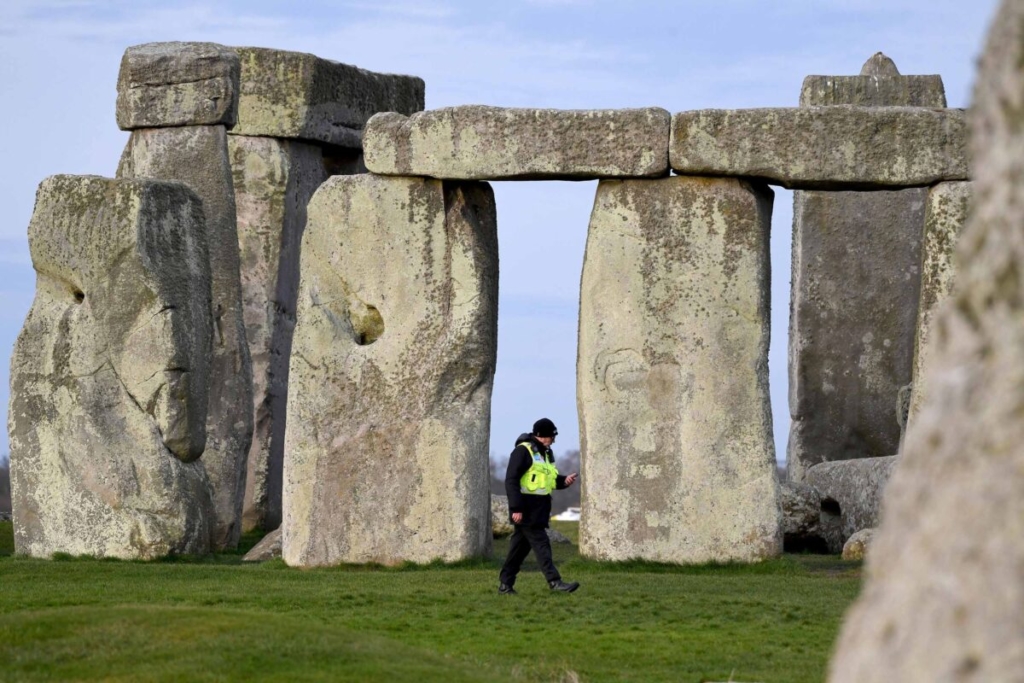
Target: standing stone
{"type": "Point", "coordinates": [273, 182]}
{"type": "Point", "coordinates": [391, 373]}
{"type": "Point", "coordinates": [949, 205]}
{"type": "Point", "coordinates": [109, 376]}
{"type": "Point", "coordinates": [944, 595]}
{"type": "Point", "coordinates": [678, 463]}
{"type": "Point", "coordinates": [177, 84]}
{"type": "Point", "coordinates": [494, 143]}
{"type": "Point", "coordinates": [856, 285]}
{"type": "Point", "coordinates": [198, 157]}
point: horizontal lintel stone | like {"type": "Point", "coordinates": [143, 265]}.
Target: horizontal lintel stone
{"type": "Point", "coordinates": [301, 96]}
{"type": "Point", "coordinates": [495, 143]}
{"type": "Point", "coordinates": [177, 84]}
{"type": "Point", "coordinates": [824, 148]}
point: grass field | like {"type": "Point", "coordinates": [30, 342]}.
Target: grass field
{"type": "Point", "coordinates": [217, 619]}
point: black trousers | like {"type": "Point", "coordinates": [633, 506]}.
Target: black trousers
{"type": "Point", "coordinates": [525, 538]}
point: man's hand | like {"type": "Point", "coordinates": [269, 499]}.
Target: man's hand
{"type": "Point", "coordinates": [517, 517]}
{"type": "Point", "coordinates": [569, 480]}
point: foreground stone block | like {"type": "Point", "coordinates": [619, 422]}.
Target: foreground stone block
{"type": "Point", "coordinates": [391, 373]}
{"type": "Point", "coordinates": [494, 143]}
{"type": "Point", "coordinates": [856, 271]}
{"type": "Point", "coordinates": [949, 205]}
{"type": "Point", "coordinates": [109, 376]}
{"type": "Point", "coordinates": [177, 84]}
{"type": "Point", "coordinates": [851, 496]}
{"type": "Point", "coordinates": [826, 148]}
{"type": "Point", "coordinates": [678, 463]}
{"type": "Point", "coordinates": [301, 96]}
{"type": "Point", "coordinates": [944, 595]}
{"type": "Point", "coordinates": [273, 182]}
{"type": "Point", "coordinates": [198, 157]}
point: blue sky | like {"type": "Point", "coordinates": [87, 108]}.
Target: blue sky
{"type": "Point", "coordinates": [59, 62]}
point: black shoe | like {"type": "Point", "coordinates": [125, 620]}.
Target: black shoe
{"type": "Point", "coordinates": [563, 586]}
{"type": "Point", "coordinates": [506, 590]}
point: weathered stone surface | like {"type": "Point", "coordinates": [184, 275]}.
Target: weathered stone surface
{"type": "Point", "coordinates": [495, 143]}
{"type": "Point", "coordinates": [273, 182]}
{"type": "Point", "coordinates": [297, 95]}
{"type": "Point", "coordinates": [949, 206]}
{"type": "Point", "coordinates": [944, 596]}
{"type": "Point", "coordinates": [177, 84]}
{"type": "Point", "coordinates": [856, 547]}
{"type": "Point", "coordinates": [878, 85]}
{"type": "Point", "coordinates": [856, 271]}
{"type": "Point", "coordinates": [391, 373]}
{"type": "Point", "coordinates": [801, 518]}
{"type": "Point", "coordinates": [678, 463]}
{"type": "Point", "coordinates": [500, 525]}
{"type": "Point", "coordinates": [269, 548]}
{"type": "Point", "coordinates": [109, 376]}
{"type": "Point", "coordinates": [856, 275]}
{"type": "Point", "coordinates": [851, 495]}
{"type": "Point", "coordinates": [198, 157]}
{"type": "Point", "coordinates": [826, 148]}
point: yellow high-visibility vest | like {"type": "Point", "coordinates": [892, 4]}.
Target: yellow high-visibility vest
{"type": "Point", "coordinates": [542, 477]}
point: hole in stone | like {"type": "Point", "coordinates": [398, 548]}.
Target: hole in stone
{"type": "Point", "coordinates": [79, 296]}
{"type": "Point", "coordinates": [367, 324]}
{"type": "Point", "coordinates": [830, 508]}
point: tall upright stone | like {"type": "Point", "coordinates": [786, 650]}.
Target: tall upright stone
{"type": "Point", "coordinates": [274, 180]}
{"type": "Point", "coordinates": [855, 292]}
{"type": "Point", "coordinates": [300, 120]}
{"type": "Point", "coordinates": [949, 205]}
{"type": "Point", "coordinates": [678, 462]}
{"type": "Point", "coordinates": [197, 155]}
{"type": "Point", "coordinates": [110, 373]}
{"type": "Point", "coordinates": [391, 373]}
{"type": "Point", "coordinates": [944, 594]}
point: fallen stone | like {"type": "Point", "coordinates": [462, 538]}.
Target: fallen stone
{"type": "Point", "coordinates": [943, 598]}
{"type": "Point", "coordinates": [177, 84]}
{"type": "Point", "coordinates": [300, 96]}
{"type": "Point", "coordinates": [500, 524]}
{"type": "Point", "coordinates": [494, 143]}
{"type": "Point", "coordinates": [273, 182]}
{"type": "Point", "coordinates": [393, 355]}
{"type": "Point", "coordinates": [672, 374]}
{"type": "Point", "coordinates": [856, 547]}
{"type": "Point", "coordinates": [109, 376]}
{"type": "Point", "coordinates": [269, 548]}
{"type": "Point", "coordinates": [851, 347]}
{"type": "Point", "coordinates": [801, 518]}
{"type": "Point", "coordinates": [823, 148]}
{"type": "Point", "coordinates": [198, 157]}
{"type": "Point", "coordinates": [556, 536]}
{"type": "Point", "coordinates": [949, 205]}
{"type": "Point", "coordinates": [851, 495]}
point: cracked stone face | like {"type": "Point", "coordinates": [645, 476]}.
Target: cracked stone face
{"type": "Point", "coordinates": [109, 376]}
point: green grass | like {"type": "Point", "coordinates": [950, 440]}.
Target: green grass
{"type": "Point", "coordinates": [217, 619]}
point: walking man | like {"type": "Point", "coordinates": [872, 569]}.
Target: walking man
{"type": "Point", "coordinates": [529, 481]}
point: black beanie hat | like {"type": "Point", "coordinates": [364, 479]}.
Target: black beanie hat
{"type": "Point", "coordinates": [544, 427]}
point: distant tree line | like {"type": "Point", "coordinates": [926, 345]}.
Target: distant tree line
{"type": "Point", "coordinates": [5, 483]}
{"type": "Point", "coordinates": [568, 462]}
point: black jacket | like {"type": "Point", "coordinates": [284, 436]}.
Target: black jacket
{"type": "Point", "coordinates": [536, 509]}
